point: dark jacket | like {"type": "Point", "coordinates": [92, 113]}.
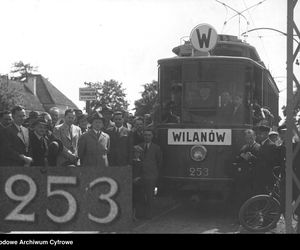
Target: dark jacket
{"type": "Point", "coordinates": [120, 153]}
{"type": "Point", "coordinates": [137, 138]}
{"type": "Point", "coordinates": [14, 146]}
{"type": "Point", "coordinates": [152, 161]}
{"type": "Point", "coordinates": [39, 150]}
{"type": "Point", "coordinates": [268, 158]}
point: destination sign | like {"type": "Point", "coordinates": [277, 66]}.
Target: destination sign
{"type": "Point", "coordinates": [199, 136]}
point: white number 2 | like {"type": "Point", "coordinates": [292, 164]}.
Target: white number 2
{"type": "Point", "coordinates": [15, 214]}
{"type": "Point", "coordinates": [113, 212]}
{"type": "Point", "coordinates": [72, 205]}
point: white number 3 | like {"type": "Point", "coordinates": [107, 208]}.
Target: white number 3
{"type": "Point", "coordinates": [113, 212]}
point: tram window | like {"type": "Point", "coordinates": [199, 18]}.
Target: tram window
{"type": "Point", "coordinates": [200, 95]}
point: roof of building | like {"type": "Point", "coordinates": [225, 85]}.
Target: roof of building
{"type": "Point", "coordinates": [31, 102]}
{"type": "Point", "coordinates": [57, 97]}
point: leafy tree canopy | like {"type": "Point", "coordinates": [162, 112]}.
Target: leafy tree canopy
{"type": "Point", "coordinates": [110, 93]}
{"type": "Point", "coordinates": [146, 104]}
{"type": "Point", "coordinates": [21, 71]}
{"type": "Point", "coordinates": [10, 94]}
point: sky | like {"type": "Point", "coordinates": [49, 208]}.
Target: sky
{"type": "Point", "coordinates": [73, 41]}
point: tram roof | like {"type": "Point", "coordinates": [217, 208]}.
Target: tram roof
{"type": "Point", "coordinates": [220, 58]}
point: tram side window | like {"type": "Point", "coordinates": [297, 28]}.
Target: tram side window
{"type": "Point", "coordinates": [172, 94]}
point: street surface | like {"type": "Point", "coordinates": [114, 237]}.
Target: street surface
{"type": "Point", "coordinates": [202, 217]}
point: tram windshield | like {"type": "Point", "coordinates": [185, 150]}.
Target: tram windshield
{"type": "Point", "coordinates": [205, 92]}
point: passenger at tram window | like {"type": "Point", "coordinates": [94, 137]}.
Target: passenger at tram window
{"type": "Point", "coordinates": [257, 114]}
{"type": "Point", "coordinates": [176, 97]}
{"type": "Point", "coordinates": [168, 115]}
{"type": "Point", "coordinates": [205, 95]}
{"type": "Point", "coordinates": [226, 105]}
{"type": "Point", "coordinates": [238, 109]}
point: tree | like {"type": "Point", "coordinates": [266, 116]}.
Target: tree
{"type": "Point", "coordinates": [109, 93]}
{"type": "Point", "coordinates": [146, 104]}
{"type": "Point", "coordinates": [21, 71]}
{"type": "Point", "coordinates": [10, 94]}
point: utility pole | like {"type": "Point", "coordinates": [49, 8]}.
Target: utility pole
{"type": "Point", "coordinates": [292, 102]}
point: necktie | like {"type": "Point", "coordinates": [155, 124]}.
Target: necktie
{"type": "Point", "coordinates": [146, 148]}
{"type": "Point", "coordinates": [23, 137]}
{"type": "Point", "coordinates": [98, 135]}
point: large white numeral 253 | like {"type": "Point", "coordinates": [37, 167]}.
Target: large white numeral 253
{"type": "Point", "coordinates": [113, 212]}
{"type": "Point", "coordinates": [15, 214]}
{"type": "Point", "coordinates": [70, 198]}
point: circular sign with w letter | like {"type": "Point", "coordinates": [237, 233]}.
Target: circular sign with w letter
{"type": "Point", "coordinates": [204, 37]}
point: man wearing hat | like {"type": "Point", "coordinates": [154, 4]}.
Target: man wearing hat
{"type": "Point", "coordinates": [107, 113]}
{"type": "Point", "coordinates": [82, 122]}
{"type": "Point", "coordinates": [120, 153]}
{"type": "Point", "coordinates": [94, 144]}
{"type": "Point", "coordinates": [274, 137]}
{"type": "Point", "coordinates": [268, 158]}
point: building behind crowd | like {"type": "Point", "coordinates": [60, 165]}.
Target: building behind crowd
{"type": "Point", "coordinates": [39, 94]}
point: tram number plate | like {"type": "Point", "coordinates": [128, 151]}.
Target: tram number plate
{"type": "Point", "coordinates": [196, 172]}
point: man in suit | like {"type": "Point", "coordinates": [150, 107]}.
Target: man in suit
{"type": "Point", "coordinates": [107, 113]}
{"type": "Point", "coordinates": [5, 119]}
{"type": "Point", "coordinates": [267, 159]}
{"type": "Point", "coordinates": [54, 113]}
{"type": "Point", "coordinates": [137, 133]}
{"type": "Point", "coordinates": [151, 162]}
{"type": "Point", "coordinates": [39, 143]}
{"type": "Point", "coordinates": [121, 144]}
{"type": "Point", "coordinates": [69, 135]}
{"type": "Point", "coordinates": [246, 161]}
{"type": "Point", "coordinates": [16, 143]}
{"type": "Point", "coordinates": [93, 145]}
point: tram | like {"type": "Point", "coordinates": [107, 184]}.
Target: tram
{"type": "Point", "coordinates": [206, 102]}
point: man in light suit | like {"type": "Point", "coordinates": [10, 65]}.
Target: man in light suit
{"type": "Point", "coordinates": [94, 144]}
{"type": "Point", "coordinates": [69, 135]}
{"type": "Point", "coordinates": [16, 146]}
{"type": "Point", "coordinates": [120, 153]}
{"type": "Point", "coordinates": [151, 162]}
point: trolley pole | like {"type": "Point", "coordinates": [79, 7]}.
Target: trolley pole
{"type": "Point", "coordinates": [292, 102]}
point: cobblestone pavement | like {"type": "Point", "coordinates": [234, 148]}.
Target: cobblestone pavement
{"type": "Point", "coordinates": [210, 217]}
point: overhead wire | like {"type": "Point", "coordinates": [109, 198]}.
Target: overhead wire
{"type": "Point", "coordinates": [259, 36]}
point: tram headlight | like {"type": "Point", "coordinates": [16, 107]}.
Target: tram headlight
{"type": "Point", "coordinates": [198, 152]}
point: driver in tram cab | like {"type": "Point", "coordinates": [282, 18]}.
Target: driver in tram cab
{"type": "Point", "coordinates": [238, 109]}
{"type": "Point", "coordinates": [205, 99]}
{"type": "Point", "coordinates": [168, 116]}
{"type": "Point", "coordinates": [226, 107]}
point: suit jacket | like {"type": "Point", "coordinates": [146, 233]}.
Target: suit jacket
{"type": "Point", "coordinates": [137, 138]}
{"type": "Point", "coordinates": [14, 146]}
{"type": "Point", "coordinates": [69, 141]}
{"type": "Point", "coordinates": [238, 114]}
{"type": "Point", "coordinates": [39, 150]}
{"type": "Point", "coordinates": [92, 150]}
{"type": "Point", "coordinates": [120, 153]}
{"type": "Point", "coordinates": [268, 158]}
{"type": "Point", "coordinates": [152, 161]}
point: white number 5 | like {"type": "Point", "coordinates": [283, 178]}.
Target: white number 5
{"type": "Point", "coordinates": [70, 198]}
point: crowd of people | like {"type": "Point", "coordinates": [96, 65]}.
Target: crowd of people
{"type": "Point", "coordinates": [264, 155]}
{"type": "Point", "coordinates": [101, 139]}
{"type": "Point", "coordinates": [115, 139]}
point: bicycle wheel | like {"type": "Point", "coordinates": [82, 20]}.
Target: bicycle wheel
{"type": "Point", "coordinates": [260, 213]}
